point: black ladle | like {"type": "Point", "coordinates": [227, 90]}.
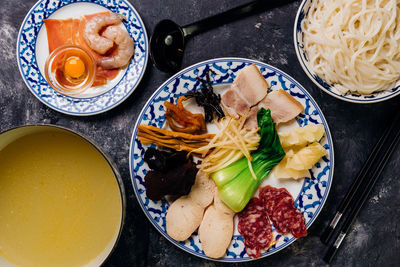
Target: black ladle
{"type": "Point", "coordinates": [168, 40]}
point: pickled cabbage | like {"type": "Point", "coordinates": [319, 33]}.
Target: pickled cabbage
{"type": "Point", "coordinates": [301, 136]}
{"type": "Point", "coordinates": [302, 151]}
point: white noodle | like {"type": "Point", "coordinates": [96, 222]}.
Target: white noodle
{"type": "Point", "coordinates": [354, 44]}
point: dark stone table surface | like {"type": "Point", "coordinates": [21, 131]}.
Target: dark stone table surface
{"type": "Point", "coordinates": [268, 37]}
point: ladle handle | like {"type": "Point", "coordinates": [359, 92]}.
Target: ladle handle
{"type": "Point", "coordinates": [231, 15]}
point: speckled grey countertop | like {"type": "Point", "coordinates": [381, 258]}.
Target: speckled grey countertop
{"type": "Point", "coordinates": [375, 236]}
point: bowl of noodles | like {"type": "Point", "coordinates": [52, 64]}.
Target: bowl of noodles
{"type": "Point", "coordinates": [350, 48]}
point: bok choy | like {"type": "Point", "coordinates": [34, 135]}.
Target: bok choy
{"type": "Point", "coordinates": [235, 182]}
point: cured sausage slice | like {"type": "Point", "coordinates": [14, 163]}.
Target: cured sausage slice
{"type": "Point", "coordinates": [255, 228]}
{"type": "Point", "coordinates": [282, 212]}
{"type": "Point", "coordinates": [272, 196]}
{"type": "Point", "coordinates": [277, 205]}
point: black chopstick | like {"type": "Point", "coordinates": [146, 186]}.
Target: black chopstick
{"type": "Point", "coordinates": [383, 157]}
{"type": "Point", "coordinates": [345, 203]}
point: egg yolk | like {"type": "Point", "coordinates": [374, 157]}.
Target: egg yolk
{"type": "Point", "coordinates": [74, 67]}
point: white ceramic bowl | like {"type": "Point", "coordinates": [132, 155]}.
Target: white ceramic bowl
{"type": "Point", "coordinates": [326, 87]}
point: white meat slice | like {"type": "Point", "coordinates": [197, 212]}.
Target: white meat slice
{"type": "Point", "coordinates": [233, 103]}
{"type": "Point", "coordinates": [183, 218]}
{"type": "Point", "coordinates": [247, 90]}
{"type": "Point", "coordinates": [202, 192]}
{"type": "Point", "coordinates": [283, 106]}
{"type": "Point", "coordinates": [220, 205]}
{"type": "Point", "coordinates": [251, 121]}
{"type": "Point", "coordinates": [251, 85]}
{"type": "Point", "coordinates": [186, 213]}
{"type": "Point", "coordinates": [215, 232]}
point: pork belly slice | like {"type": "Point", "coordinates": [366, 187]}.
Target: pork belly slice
{"type": "Point", "coordinates": [247, 90]}
{"type": "Point", "coordinates": [251, 85]}
{"type": "Point", "coordinates": [233, 103]}
{"type": "Point", "coordinates": [283, 106]}
{"type": "Point", "coordinates": [251, 121]}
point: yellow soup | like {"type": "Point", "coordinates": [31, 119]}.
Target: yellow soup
{"type": "Point", "coordinates": [60, 203]}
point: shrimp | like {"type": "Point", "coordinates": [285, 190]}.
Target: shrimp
{"type": "Point", "coordinates": [125, 48]}
{"type": "Point", "coordinates": [91, 31]}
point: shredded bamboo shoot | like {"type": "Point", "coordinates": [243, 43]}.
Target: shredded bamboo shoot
{"type": "Point", "coordinates": [231, 143]}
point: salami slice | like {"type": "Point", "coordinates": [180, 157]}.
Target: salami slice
{"type": "Point", "coordinates": [280, 216]}
{"type": "Point", "coordinates": [277, 205]}
{"type": "Point", "coordinates": [296, 222]}
{"type": "Point", "coordinates": [255, 228]}
{"type": "Point", "coordinates": [282, 212]}
{"type": "Point", "coordinates": [272, 196]}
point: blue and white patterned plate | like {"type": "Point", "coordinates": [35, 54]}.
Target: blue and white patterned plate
{"type": "Point", "coordinates": [302, 14]}
{"type": "Point", "coordinates": [32, 51]}
{"type": "Point", "coordinates": [310, 194]}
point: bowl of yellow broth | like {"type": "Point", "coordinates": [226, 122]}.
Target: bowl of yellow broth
{"type": "Point", "coordinates": [62, 200]}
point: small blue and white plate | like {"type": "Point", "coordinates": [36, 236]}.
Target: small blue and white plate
{"type": "Point", "coordinates": [309, 194]}
{"type": "Point", "coordinates": [302, 14]}
{"type": "Point", "coordinates": [32, 52]}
